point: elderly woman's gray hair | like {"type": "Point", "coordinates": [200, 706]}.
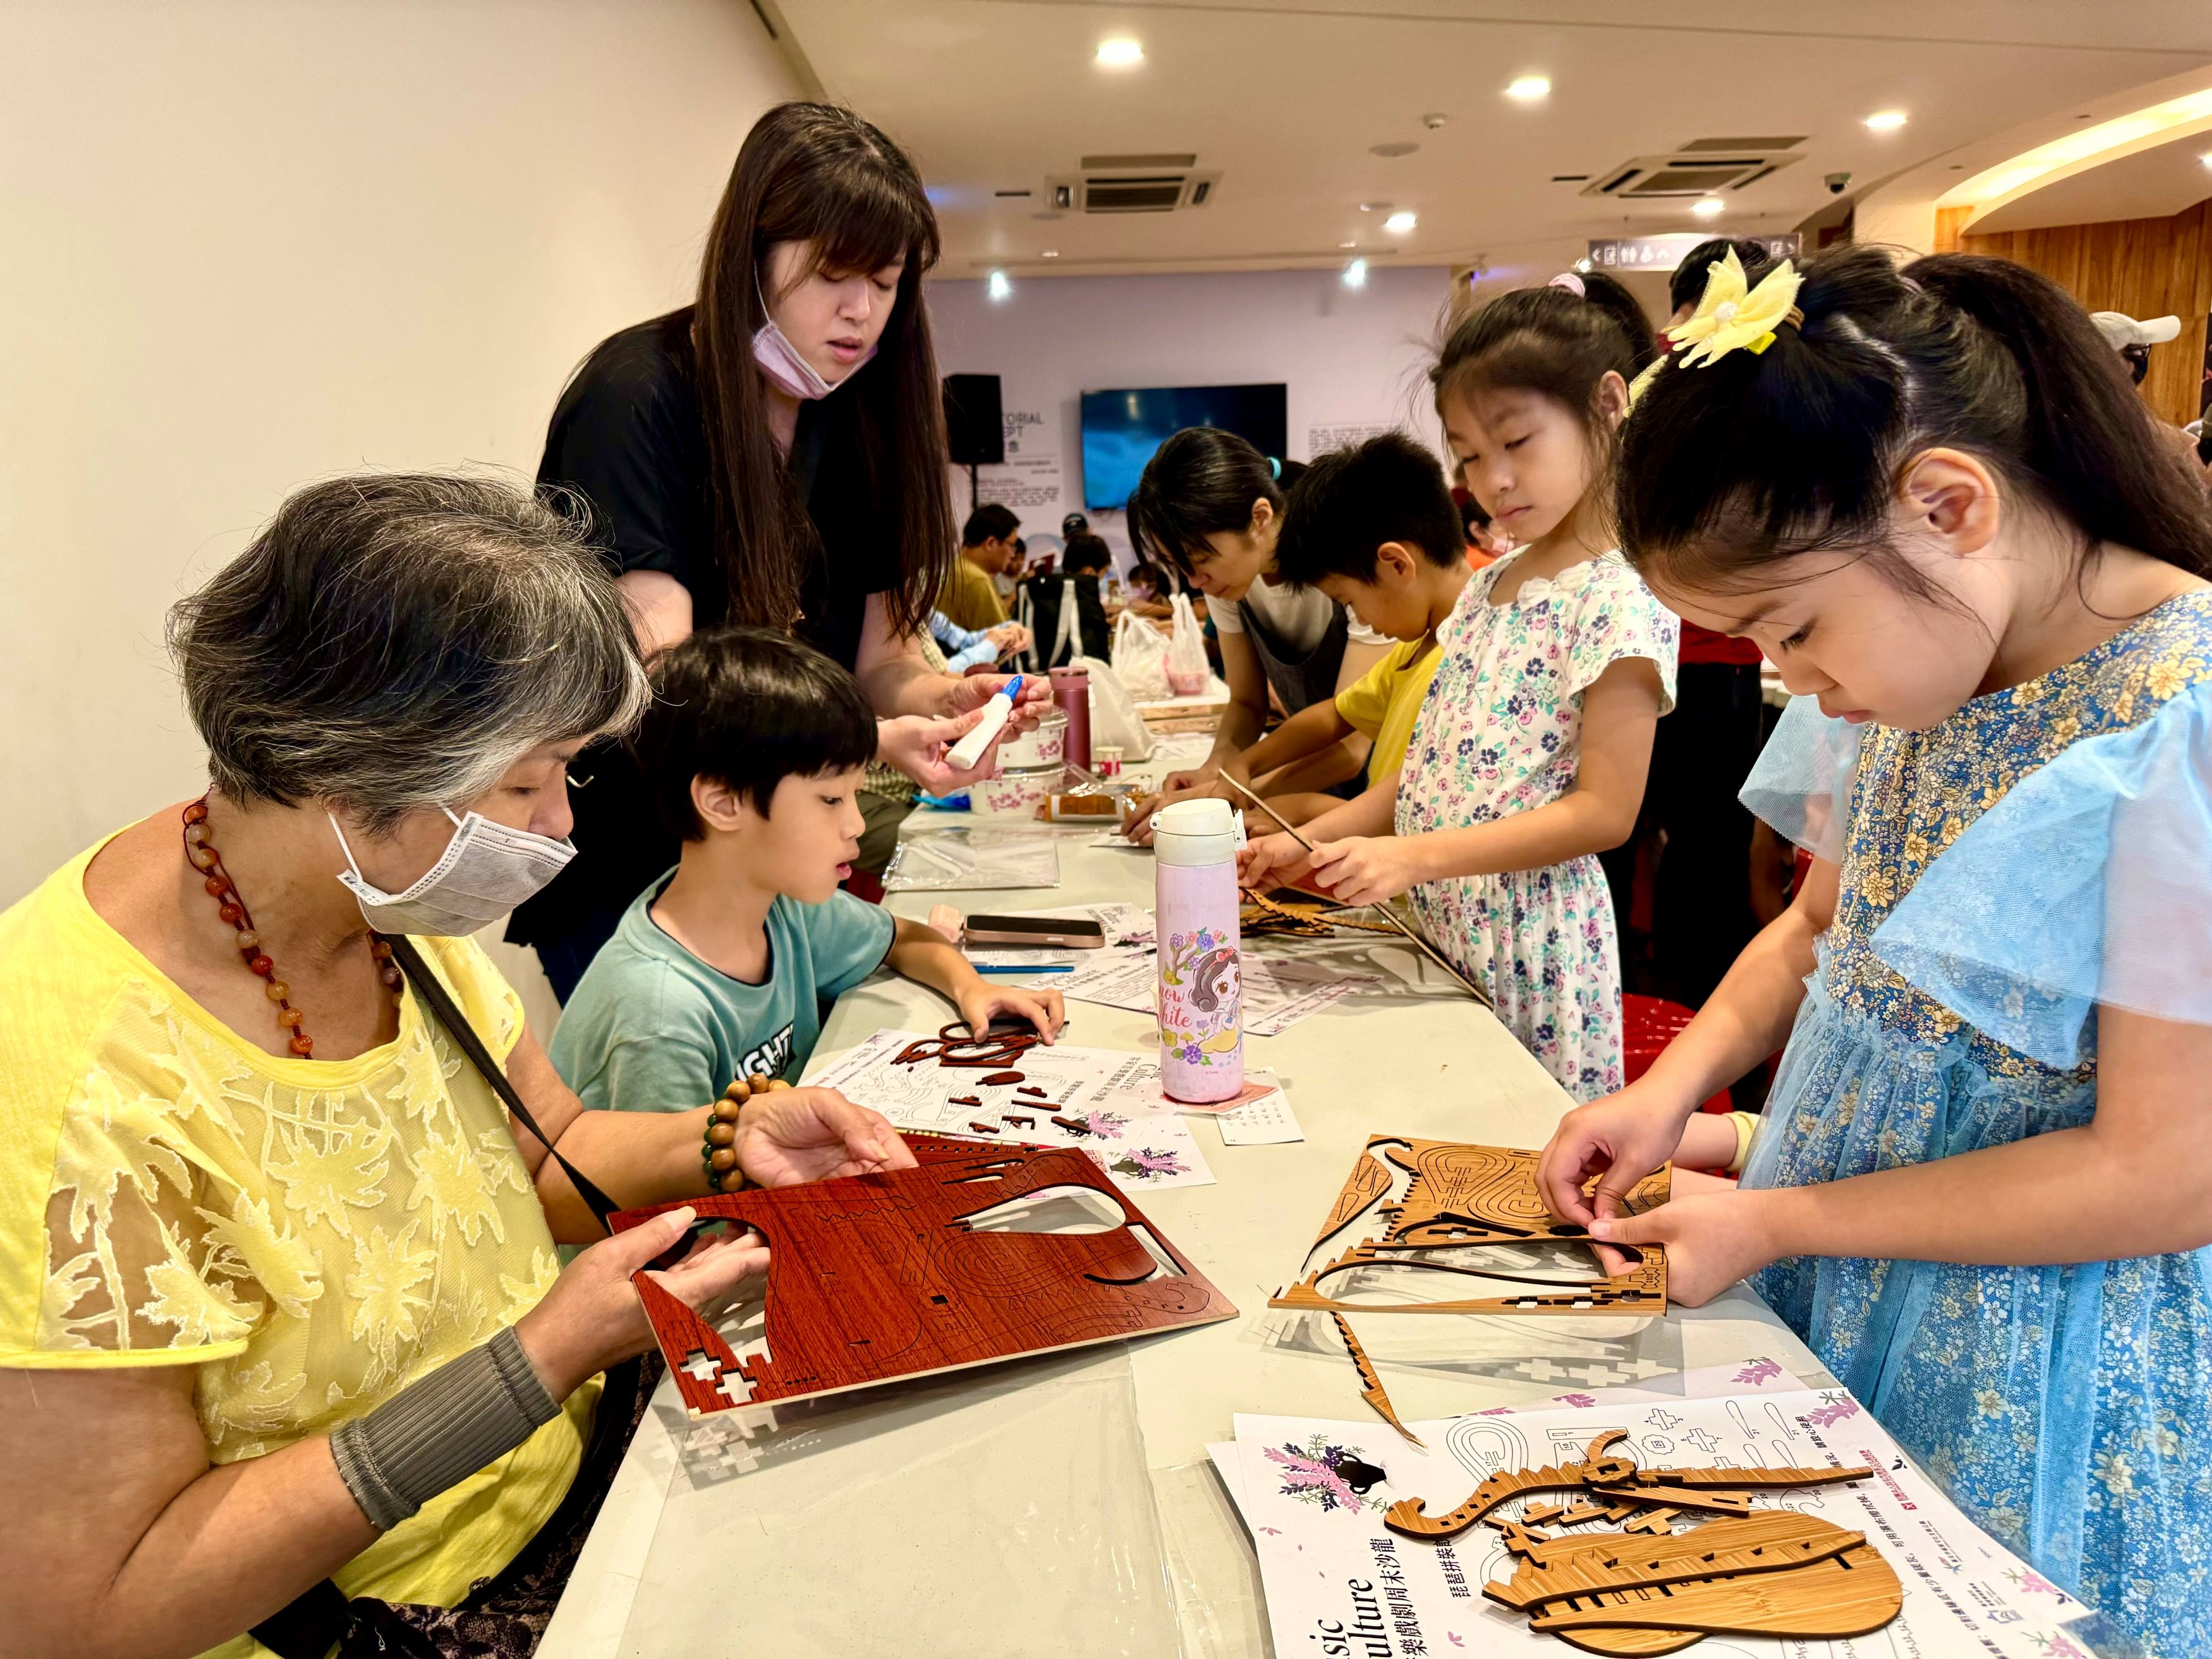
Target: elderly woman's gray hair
{"type": "Point", "coordinates": [396, 640]}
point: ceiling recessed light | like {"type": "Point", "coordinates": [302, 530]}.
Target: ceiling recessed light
{"type": "Point", "coordinates": [1529, 87]}
{"type": "Point", "coordinates": [2206, 158]}
{"type": "Point", "coordinates": [1583, 264]}
{"type": "Point", "coordinates": [1049, 253]}
{"type": "Point", "coordinates": [1886, 120]}
{"type": "Point", "coordinates": [1707, 207]}
{"type": "Point", "coordinates": [1398, 223]}
{"type": "Point", "coordinates": [998, 287]}
{"type": "Point", "coordinates": [1347, 244]}
{"type": "Point", "coordinates": [1355, 273]}
{"type": "Point", "coordinates": [1120, 52]}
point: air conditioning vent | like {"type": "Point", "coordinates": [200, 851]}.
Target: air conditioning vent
{"type": "Point", "coordinates": [1162, 191]}
{"type": "Point", "coordinates": [1760, 145]}
{"type": "Point", "coordinates": [1687, 173]}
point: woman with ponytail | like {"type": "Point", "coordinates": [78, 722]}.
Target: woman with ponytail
{"type": "Point", "coordinates": [1983, 1190]}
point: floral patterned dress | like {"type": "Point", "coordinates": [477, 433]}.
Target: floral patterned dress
{"type": "Point", "coordinates": [2045, 851]}
{"type": "Point", "coordinates": [1500, 732]}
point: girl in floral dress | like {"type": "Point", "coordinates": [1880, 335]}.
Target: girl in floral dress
{"type": "Point", "coordinates": [1983, 1192]}
{"type": "Point", "coordinates": [1529, 754]}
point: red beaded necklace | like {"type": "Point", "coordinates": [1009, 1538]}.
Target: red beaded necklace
{"type": "Point", "coordinates": [204, 858]}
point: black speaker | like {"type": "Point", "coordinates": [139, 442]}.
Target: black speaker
{"type": "Point", "coordinates": [973, 420]}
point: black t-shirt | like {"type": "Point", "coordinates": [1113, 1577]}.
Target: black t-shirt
{"type": "Point", "coordinates": [626, 439]}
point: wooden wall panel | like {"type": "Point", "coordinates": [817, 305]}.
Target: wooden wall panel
{"type": "Point", "coordinates": [2144, 267]}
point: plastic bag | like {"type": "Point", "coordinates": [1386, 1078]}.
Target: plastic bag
{"type": "Point", "coordinates": [1114, 717]}
{"type": "Point", "coordinates": [1187, 669]}
{"type": "Point", "coordinates": [1140, 658]}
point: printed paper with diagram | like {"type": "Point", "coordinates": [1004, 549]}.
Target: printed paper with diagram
{"type": "Point", "coordinates": [1314, 1491]}
{"type": "Point", "coordinates": [1060, 1095]}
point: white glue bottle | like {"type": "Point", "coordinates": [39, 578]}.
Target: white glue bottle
{"type": "Point", "coordinates": [996, 712]}
{"type": "Point", "coordinates": [1202, 966]}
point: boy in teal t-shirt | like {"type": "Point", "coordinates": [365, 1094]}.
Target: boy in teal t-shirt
{"type": "Point", "coordinates": [754, 747]}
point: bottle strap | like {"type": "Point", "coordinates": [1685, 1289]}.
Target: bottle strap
{"type": "Point", "coordinates": [440, 1001]}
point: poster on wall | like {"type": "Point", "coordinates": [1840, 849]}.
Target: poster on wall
{"type": "Point", "coordinates": [1342, 435]}
{"type": "Point", "coordinates": [1030, 480]}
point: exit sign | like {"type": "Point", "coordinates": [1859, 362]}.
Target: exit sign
{"type": "Point", "coordinates": [1665, 252]}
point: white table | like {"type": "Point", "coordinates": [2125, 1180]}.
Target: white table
{"type": "Point", "coordinates": [1064, 1504]}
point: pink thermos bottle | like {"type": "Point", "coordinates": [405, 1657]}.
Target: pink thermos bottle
{"type": "Point", "coordinates": [1071, 691]}
{"type": "Point", "coordinates": [1201, 977]}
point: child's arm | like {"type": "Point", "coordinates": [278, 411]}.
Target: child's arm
{"type": "Point", "coordinates": [1746, 1018]}
{"type": "Point", "coordinates": [1619, 711]}
{"type": "Point", "coordinates": [921, 954]}
{"type": "Point", "coordinates": [2135, 1181]}
{"type": "Point", "coordinates": [1309, 732]}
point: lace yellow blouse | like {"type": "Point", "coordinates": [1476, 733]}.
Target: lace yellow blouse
{"type": "Point", "coordinates": [311, 1235]}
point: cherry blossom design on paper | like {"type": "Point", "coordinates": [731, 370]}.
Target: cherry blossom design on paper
{"type": "Point", "coordinates": [1760, 1372]}
{"type": "Point", "coordinates": [1835, 1405]}
{"type": "Point", "coordinates": [1328, 1475]}
{"type": "Point", "coordinates": [2056, 1646]}
{"type": "Point", "coordinates": [1583, 1400]}
{"type": "Point", "coordinates": [1147, 1163]}
{"type": "Point", "coordinates": [2033, 1582]}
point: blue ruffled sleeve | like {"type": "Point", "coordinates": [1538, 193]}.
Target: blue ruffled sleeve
{"type": "Point", "coordinates": [2089, 883]}
{"type": "Point", "coordinates": [1801, 783]}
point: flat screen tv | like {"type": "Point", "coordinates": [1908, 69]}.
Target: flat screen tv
{"type": "Point", "coordinates": [1121, 429]}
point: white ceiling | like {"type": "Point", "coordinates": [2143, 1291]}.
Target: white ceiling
{"type": "Point", "coordinates": [2150, 184]}
{"type": "Point", "coordinates": [1285, 98]}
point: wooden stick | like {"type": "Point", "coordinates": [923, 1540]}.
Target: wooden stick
{"type": "Point", "coordinates": [1381, 910]}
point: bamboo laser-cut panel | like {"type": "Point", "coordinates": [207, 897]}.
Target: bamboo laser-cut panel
{"type": "Point", "coordinates": [1460, 1195]}
{"type": "Point", "coordinates": [878, 1276]}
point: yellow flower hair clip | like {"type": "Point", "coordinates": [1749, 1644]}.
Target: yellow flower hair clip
{"type": "Point", "coordinates": [1728, 316]}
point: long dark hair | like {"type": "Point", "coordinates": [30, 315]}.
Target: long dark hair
{"type": "Point", "coordinates": [1731, 465]}
{"type": "Point", "coordinates": [816, 174]}
{"type": "Point", "coordinates": [1559, 340]}
{"type": "Point", "coordinates": [1199, 483]}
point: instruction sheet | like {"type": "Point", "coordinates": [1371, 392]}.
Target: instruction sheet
{"type": "Point", "coordinates": [1087, 1098]}
{"type": "Point", "coordinates": [1313, 1492]}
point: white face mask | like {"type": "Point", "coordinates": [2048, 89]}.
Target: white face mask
{"type": "Point", "coordinates": [487, 869]}
{"type": "Point", "coordinates": [780, 361]}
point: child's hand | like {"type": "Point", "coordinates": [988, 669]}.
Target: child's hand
{"type": "Point", "coordinates": [1622, 1137]}
{"type": "Point", "coordinates": [1364, 869]}
{"type": "Point", "coordinates": [1275, 861]}
{"type": "Point", "coordinates": [1712, 1239]}
{"type": "Point", "coordinates": [979, 1002]}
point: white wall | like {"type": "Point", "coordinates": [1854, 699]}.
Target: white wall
{"type": "Point", "coordinates": [245, 243]}
{"type": "Point", "coordinates": [1349, 356]}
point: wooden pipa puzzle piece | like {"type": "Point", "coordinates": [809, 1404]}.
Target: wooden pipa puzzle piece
{"type": "Point", "coordinates": [878, 1276]}
{"type": "Point", "coordinates": [1770, 1572]}
{"type": "Point", "coordinates": [1461, 1195]}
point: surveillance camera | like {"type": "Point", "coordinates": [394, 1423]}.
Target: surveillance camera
{"type": "Point", "coordinates": [1434, 120]}
{"type": "Point", "coordinates": [1839, 183]}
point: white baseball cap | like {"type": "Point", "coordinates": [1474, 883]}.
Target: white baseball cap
{"type": "Point", "coordinates": [2121, 330]}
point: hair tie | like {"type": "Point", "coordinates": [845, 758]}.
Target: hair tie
{"type": "Point", "coordinates": [1572, 283]}
{"type": "Point", "coordinates": [1274, 467]}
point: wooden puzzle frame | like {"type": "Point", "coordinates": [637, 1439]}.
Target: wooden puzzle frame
{"type": "Point", "coordinates": [877, 1277]}
{"type": "Point", "coordinates": [1460, 1195]}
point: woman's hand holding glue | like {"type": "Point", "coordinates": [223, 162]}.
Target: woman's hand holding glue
{"type": "Point", "coordinates": [969, 752]}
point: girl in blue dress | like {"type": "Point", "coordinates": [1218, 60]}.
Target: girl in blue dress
{"type": "Point", "coordinates": [1982, 1192]}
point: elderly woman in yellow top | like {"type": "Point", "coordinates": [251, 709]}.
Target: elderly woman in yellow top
{"type": "Point", "coordinates": [279, 1299]}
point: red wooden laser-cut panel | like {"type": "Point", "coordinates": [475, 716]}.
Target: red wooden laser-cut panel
{"type": "Point", "coordinates": [877, 1276]}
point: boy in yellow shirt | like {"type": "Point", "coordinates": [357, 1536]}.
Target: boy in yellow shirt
{"type": "Point", "coordinates": [1374, 527]}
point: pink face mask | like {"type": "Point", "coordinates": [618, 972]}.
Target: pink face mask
{"type": "Point", "coordinates": [779, 359]}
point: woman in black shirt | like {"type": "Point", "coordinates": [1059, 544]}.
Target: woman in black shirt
{"type": "Point", "coordinates": [773, 454]}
